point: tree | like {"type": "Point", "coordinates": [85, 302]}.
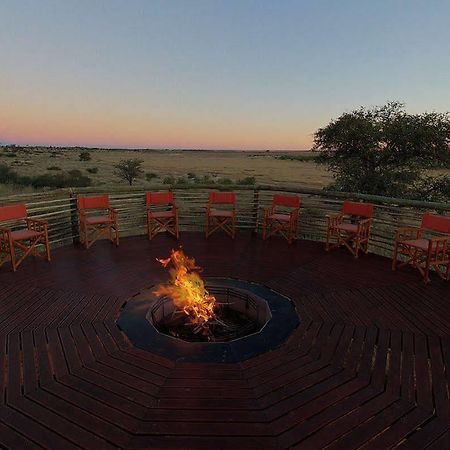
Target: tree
{"type": "Point", "coordinates": [385, 151]}
{"type": "Point", "coordinates": [129, 169]}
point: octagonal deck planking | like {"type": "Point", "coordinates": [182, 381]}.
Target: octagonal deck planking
{"type": "Point", "coordinates": [368, 367]}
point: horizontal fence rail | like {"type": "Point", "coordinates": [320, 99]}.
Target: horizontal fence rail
{"type": "Point", "coordinates": [58, 207]}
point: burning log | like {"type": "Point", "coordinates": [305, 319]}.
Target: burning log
{"type": "Point", "coordinates": [187, 291]}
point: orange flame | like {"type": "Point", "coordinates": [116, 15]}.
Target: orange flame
{"type": "Point", "coordinates": [187, 289]}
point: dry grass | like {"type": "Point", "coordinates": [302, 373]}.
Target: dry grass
{"type": "Point", "coordinates": [265, 167]}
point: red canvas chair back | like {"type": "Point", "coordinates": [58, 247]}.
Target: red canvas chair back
{"type": "Point", "coordinates": [224, 198]}
{"type": "Point", "coordinates": [357, 209]}
{"type": "Point", "coordinates": [159, 198]}
{"type": "Point", "coordinates": [13, 212]}
{"type": "Point", "coordinates": [435, 222]}
{"type": "Point", "coordinates": [97, 202]}
{"type": "Point", "coordinates": [288, 201]}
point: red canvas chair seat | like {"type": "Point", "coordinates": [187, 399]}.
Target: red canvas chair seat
{"type": "Point", "coordinates": [353, 235]}
{"type": "Point", "coordinates": [97, 219]}
{"type": "Point", "coordinates": [351, 227]}
{"type": "Point", "coordinates": [162, 214]}
{"type": "Point", "coordinates": [25, 240]}
{"type": "Point", "coordinates": [412, 248]}
{"type": "Point", "coordinates": [24, 235]}
{"type": "Point", "coordinates": [220, 213]}
{"type": "Point", "coordinates": [417, 243]}
{"type": "Point", "coordinates": [282, 217]}
{"type": "Point", "coordinates": [221, 219]}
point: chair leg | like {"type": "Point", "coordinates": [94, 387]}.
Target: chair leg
{"type": "Point", "coordinates": [47, 247]}
{"type": "Point", "coordinates": [12, 256]}
{"type": "Point", "coordinates": [394, 257]}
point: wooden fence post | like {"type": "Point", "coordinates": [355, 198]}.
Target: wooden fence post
{"type": "Point", "coordinates": [255, 210]}
{"type": "Point", "coordinates": [74, 218]}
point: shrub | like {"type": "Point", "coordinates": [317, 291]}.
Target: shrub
{"type": "Point", "coordinates": [150, 175]}
{"type": "Point", "coordinates": [74, 178]}
{"type": "Point", "coordinates": [181, 180]}
{"type": "Point", "coordinates": [225, 181]}
{"type": "Point", "coordinates": [85, 156]}
{"type": "Point", "coordinates": [53, 168]}
{"type": "Point", "coordinates": [169, 180]}
{"type": "Point", "coordinates": [247, 180]}
{"type": "Point", "coordinates": [92, 169]}
{"type": "Point", "coordinates": [7, 175]}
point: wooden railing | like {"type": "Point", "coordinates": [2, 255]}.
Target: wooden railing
{"type": "Point", "coordinates": [58, 207]}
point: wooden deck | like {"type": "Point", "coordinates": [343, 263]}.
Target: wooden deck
{"type": "Point", "coordinates": [368, 367]}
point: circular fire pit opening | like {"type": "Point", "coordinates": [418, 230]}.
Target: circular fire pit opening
{"type": "Point", "coordinates": [238, 313]}
{"type": "Point", "coordinates": [256, 320]}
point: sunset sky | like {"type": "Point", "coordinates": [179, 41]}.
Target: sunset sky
{"type": "Point", "coordinates": [212, 74]}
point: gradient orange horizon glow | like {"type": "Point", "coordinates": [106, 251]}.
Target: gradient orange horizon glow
{"type": "Point", "coordinates": [62, 125]}
{"type": "Point", "coordinates": [235, 74]}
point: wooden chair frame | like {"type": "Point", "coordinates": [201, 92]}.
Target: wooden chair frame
{"type": "Point", "coordinates": [424, 254]}
{"type": "Point", "coordinates": [10, 240]}
{"type": "Point", "coordinates": [355, 239]}
{"type": "Point", "coordinates": [159, 221]}
{"type": "Point", "coordinates": [279, 222]}
{"type": "Point", "coordinates": [221, 219]}
{"type": "Point", "coordinates": [105, 225]}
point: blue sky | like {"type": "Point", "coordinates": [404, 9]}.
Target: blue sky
{"type": "Point", "coordinates": [212, 74]}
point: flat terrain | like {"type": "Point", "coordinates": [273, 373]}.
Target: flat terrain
{"type": "Point", "coordinates": [367, 368]}
{"type": "Point", "coordinates": [235, 165]}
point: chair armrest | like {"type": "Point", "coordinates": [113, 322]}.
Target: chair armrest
{"type": "Point", "coordinates": [112, 213]}
{"type": "Point", "coordinates": [334, 219]}
{"type": "Point", "coordinates": [407, 233]}
{"type": "Point", "coordinates": [36, 224]}
{"type": "Point", "coordinates": [5, 233]}
{"type": "Point", "coordinates": [439, 244]}
{"type": "Point", "coordinates": [364, 224]}
{"type": "Point", "coordinates": [268, 211]}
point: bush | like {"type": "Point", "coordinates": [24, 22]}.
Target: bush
{"type": "Point", "coordinates": [150, 175]}
{"type": "Point", "coordinates": [206, 179]}
{"type": "Point", "coordinates": [92, 169]}
{"type": "Point", "coordinates": [10, 154]}
{"type": "Point", "coordinates": [169, 180]}
{"type": "Point", "coordinates": [247, 180]}
{"type": "Point", "coordinates": [225, 181]}
{"type": "Point", "coordinates": [84, 156]}
{"type": "Point", "coordinates": [74, 178]}
{"type": "Point", "coordinates": [7, 175]}
{"type": "Point", "coordinates": [53, 168]}
{"type": "Point", "coordinates": [181, 180]}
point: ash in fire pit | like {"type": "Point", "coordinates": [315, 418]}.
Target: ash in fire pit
{"type": "Point", "coordinates": [236, 314]}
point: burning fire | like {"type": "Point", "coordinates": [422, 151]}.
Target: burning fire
{"type": "Point", "coordinates": [187, 290]}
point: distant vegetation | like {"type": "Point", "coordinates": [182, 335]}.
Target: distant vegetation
{"type": "Point", "coordinates": [72, 178]}
{"type": "Point", "coordinates": [129, 169]}
{"type": "Point", "coordinates": [386, 151]}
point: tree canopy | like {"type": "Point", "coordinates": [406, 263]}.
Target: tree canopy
{"type": "Point", "coordinates": [386, 151]}
{"type": "Point", "coordinates": [129, 169]}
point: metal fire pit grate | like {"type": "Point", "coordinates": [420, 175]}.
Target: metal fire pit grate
{"type": "Point", "coordinates": [238, 314]}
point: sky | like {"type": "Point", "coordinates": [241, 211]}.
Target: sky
{"type": "Point", "coordinates": [212, 74]}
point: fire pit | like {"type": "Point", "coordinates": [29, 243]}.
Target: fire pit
{"type": "Point", "coordinates": [222, 320]}
{"type": "Point", "coordinates": [237, 314]}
